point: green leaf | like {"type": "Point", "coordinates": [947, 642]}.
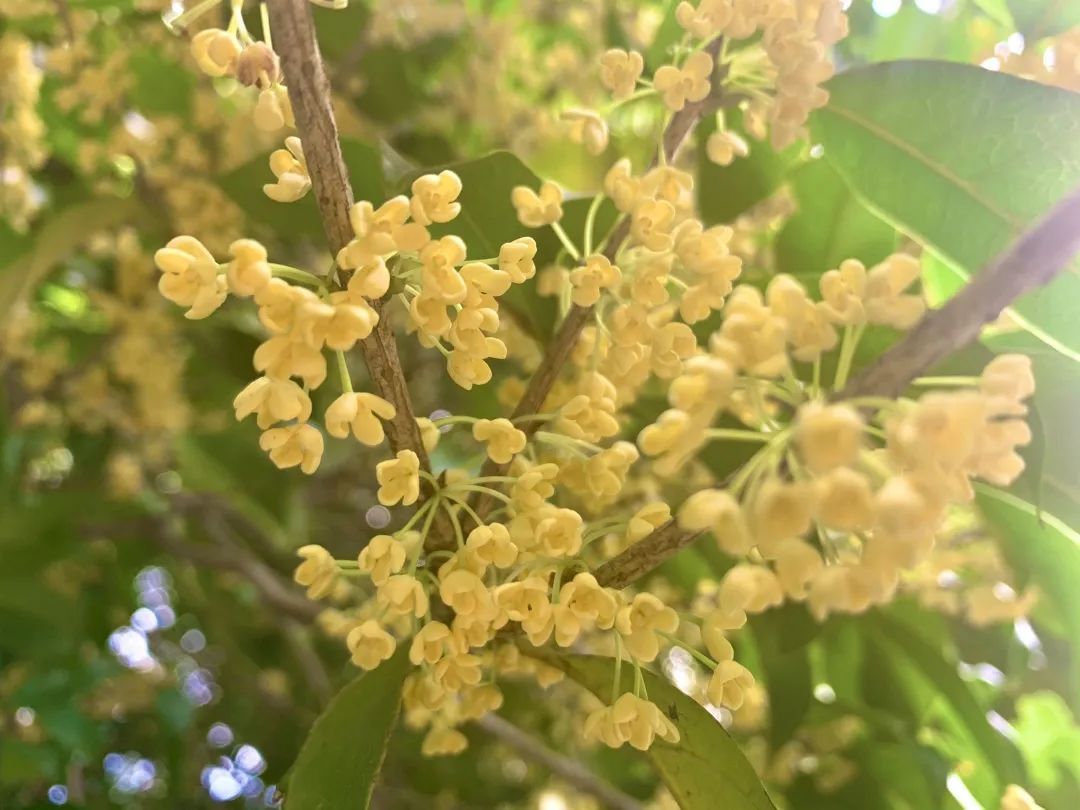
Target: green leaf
{"type": "Point", "coordinates": [64, 233]}
{"type": "Point", "coordinates": [998, 11]}
{"type": "Point", "coordinates": [341, 757]}
{"type": "Point", "coordinates": [960, 158]}
{"type": "Point", "coordinates": [705, 770]}
{"type": "Point", "coordinates": [724, 192]}
{"type": "Point", "coordinates": [786, 667]}
{"type": "Point", "coordinates": [927, 681]}
{"type": "Point", "coordinates": [301, 219]}
{"type": "Point", "coordinates": [830, 225]}
{"type": "Point", "coordinates": [1036, 19]}
{"type": "Point", "coordinates": [1044, 551]}
{"type": "Point", "coordinates": [1048, 736]}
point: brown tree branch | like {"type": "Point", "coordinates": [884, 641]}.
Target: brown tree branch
{"type": "Point", "coordinates": [570, 771]}
{"type": "Point", "coordinates": [1035, 259]}
{"type": "Point", "coordinates": [309, 95]}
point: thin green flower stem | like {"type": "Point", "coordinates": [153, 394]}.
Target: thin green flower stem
{"type": "Point", "coordinates": [417, 515]}
{"type": "Point", "coordinates": [429, 477]}
{"type": "Point", "coordinates": [453, 420]}
{"type": "Point", "coordinates": [297, 275]}
{"type": "Point", "coordinates": [445, 352]}
{"type": "Point", "coordinates": [852, 336]}
{"type": "Point", "coordinates": [738, 435]}
{"type": "Point", "coordinates": [700, 656]}
{"type": "Point", "coordinates": [454, 520]}
{"type": "Point", "coordinates": [343, 373]}
{"type": "Point", "coordinates": [567, 243]}
{"type": "Point", "coordinates": [494, 479]}
{"type": "Point", "coordinates": [926, 382]}
{"type": "Point", "coordinates": [430, 518]}
{"type": "Point", "coordinates": [464, 504]}
{"type": "Point", "coordinates": [817, 378]}
{"type": "Point", "coordinates": [347, 564]}
{"type": "Point", "coordinates": [590, 220]}
{"type": "Point", "coordinates": [794, 385]}
{"type": "Point", "coordinates": [264, 15]}
{"type": "Point", "coordinates": [639, 681]}
{"type": "Point", "coordinates": [556, 585]}
{"type": "Point", "coordinates": [617, 680]}
{"type": "Point", "coordinates": [678, 282]}
{"type": "Point", "coordinates": [556, 439]}
{"type": "Point", "coordinates": [646, 91]}
{"type": "Point", "coordinates": [483, 491]}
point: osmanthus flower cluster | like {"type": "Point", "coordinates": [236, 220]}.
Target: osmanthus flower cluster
{"type": "Point", "coordinates": [773, 58]}
{"type": "Point", "coordinates": [840, 498]}
{"type": "Point", "coordinates": [233, 53]}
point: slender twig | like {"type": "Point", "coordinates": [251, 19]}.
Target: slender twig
{"type": "Point", "coordinates": [1036, 258]}
{"type": "Point", "coordinates": [558, 351]}
{"type": "Point", "coordinates": [309, 94]}
{"type": "Point", "coordinates": [570, 771]}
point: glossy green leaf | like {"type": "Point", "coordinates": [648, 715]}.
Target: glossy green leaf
{"type": "Point", "coordinates": [998, 11]}
{"type": "Point", "coordinates": [1048, 736]}
{"type": "Point", "coordinates": [830, 225]}
{"type": "Point", "coordinates": [341, 757]}
{"type": "Point", "coordinates": [924, 677]}
{"type": "Point", "coordinates": [705, 770]}
{"type": "Point", "coordinates": [786, 667]}
{"type": "Point", "coordinates": [963, 160]}
{"type": "Point", "coordinates": [1036, 19]}
{"type": "Point", "coordinates": [1044, 550]}
{"type": "Point", "coordinates": [724, 192]}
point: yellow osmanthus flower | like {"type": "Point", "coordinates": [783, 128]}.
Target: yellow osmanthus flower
{"type": "Point", "coordinates": [598, 274]}
{"type": "Point", "coordinates": [273, 400]}
{"type": "Point", "coordinates": [318, 571]}
{"type": "Point", "coordinates": [399, 479]}
{"type": "Point", "coordinates": [382, 556]}
{"type": "Point", "coordinates": [290, 168]}
{"type": "Point", "coordinates": [434, 197]}
{"type": "Point", "coordinates": [370, 644]}
{"type": "Point", "coordinates": [299, 445]}
{"type": "Point", "coordinates": [502, 440]}
{"type": "Point", "coordinates": [691, 82]}
{"type": "Point", "coordinates": [537, 209]}
{"type": "Point", "coordinates": [588, 128]}
{"type": "Point", "coordinates": [190, 277]}
{"type": "Point", "coordinates": [359, 413]}
{"type": "Point", "coordinates": [633, 720]}
{"type": "Point", "coordinates": [620, 70]}
{"type": "Point", "coordinates": [639, 621]}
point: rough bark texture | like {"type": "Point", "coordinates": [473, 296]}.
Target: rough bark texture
{"type": "Point", "coordinates": [1035, 259]}
{"type": "Point", "coordinates": [310, 97]}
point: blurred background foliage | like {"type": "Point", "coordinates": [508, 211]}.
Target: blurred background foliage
{"type": "Point", "coordinates": [152, 650]}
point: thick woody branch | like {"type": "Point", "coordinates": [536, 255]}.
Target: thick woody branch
{"type": "Point", "coordinates": [569, 770]}
{"type": "Point", "coordinates": [1035, 259]}
{"type": "Point", "coordinates": [310, 97]}
{"type": "Point", "coordinates": [645, 555]}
